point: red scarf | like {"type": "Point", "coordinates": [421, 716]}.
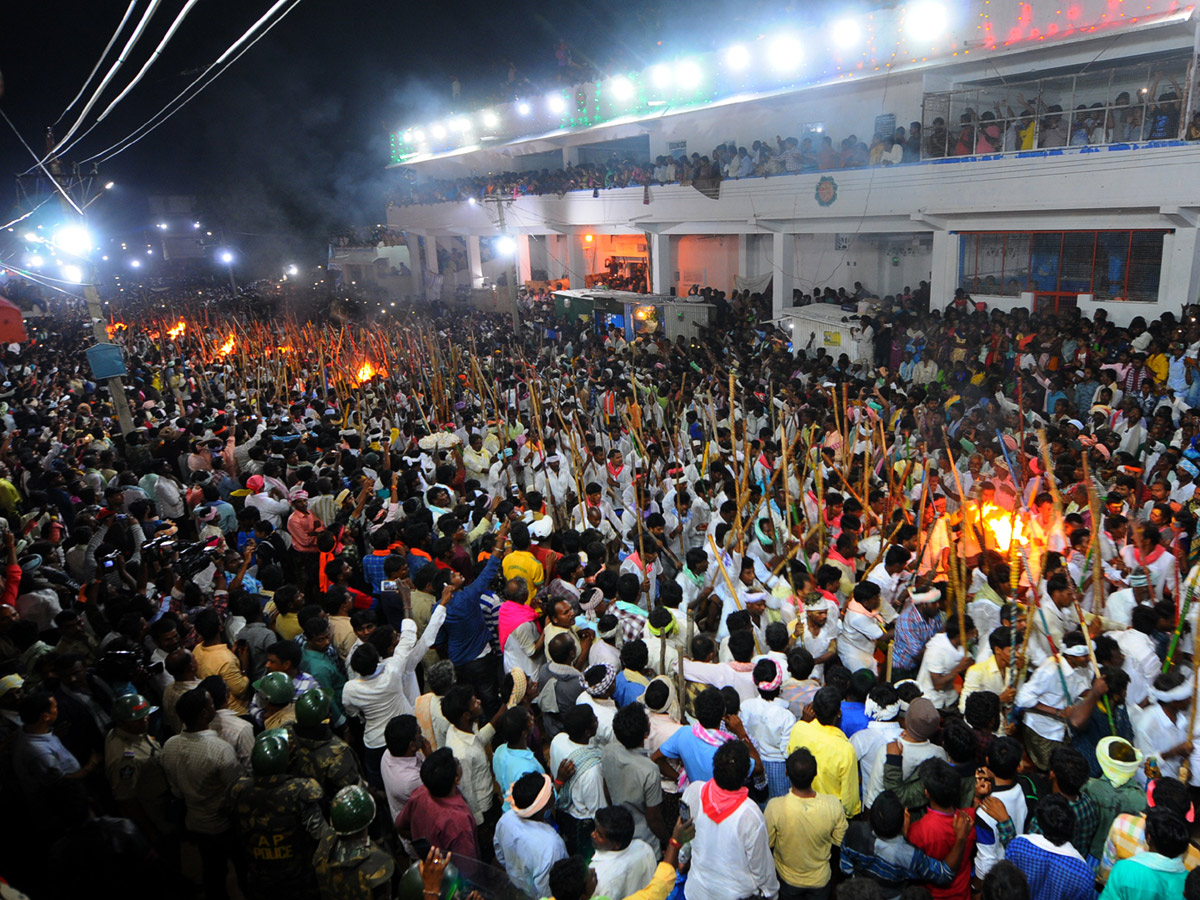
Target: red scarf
{"type": "Point", "coordinates": [719, 804]}
{"type": "Point", "coordinates": [1151, 557]}
{"type": "Point", "coordinates": [855, 606]}
{"type": "Point", "coordinates": [615, 473]}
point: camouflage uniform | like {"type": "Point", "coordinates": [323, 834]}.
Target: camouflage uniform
{"type": "Point", "coordinates": [277, 818]}
{"type": "Point", "coordinates": [353, 868]}
{"type": "Point", "coordinates": [330, 761]}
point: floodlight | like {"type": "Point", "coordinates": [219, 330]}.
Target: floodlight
{"type": "Point", "coordinates": [438, 131]}
{"type": "Point", "coordinates": [925, 21]}
{"type": "Point", "coordinates": [35, 260]}
{"type": "Point", "coordinates": [505, 245]}
{"type": "Point", "coordinates": [688, 74]}
{"type": "Point", "coordinates": [73, 274]}
{"type": "Point", "coordinates": [73, 239]}
{"type": "Point", "coordinates": [784, 54]}
{"type": "Point", "coordinates": [622, 89]}
{"type": "Point", "coordinates": [524, 108]}
{"type": "Point", "coordinates": [135, 263]}
{"type": "Point", "coordinates": [660, 76]}
{"type": "Point", "coordinates": [737, 57]}
{"type": "Point", "coordinates": [226, 257]}
{"type": "Point", "coordinates": [556, 104]}
{"type": "Point", "coordinates": [846, 33]}
{"type": "Point", "coordinates": [490, 119]}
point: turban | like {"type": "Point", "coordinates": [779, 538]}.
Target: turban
{"type": "Point", "coordinates": [1077, 651]}
{"type": "Point", "coordinates": [600, 687]}
{"type": "Point", "coordinates": [776, 681]}
{"type": "Point", "coordinates": [1117, 772]}
{"type": "Point", "coordinates": [1183, 692]}
{"type": "Point", "coordinates": [877, 713]}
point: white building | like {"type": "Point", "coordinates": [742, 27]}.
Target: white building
{"type": "Point", "coordinates": [1101, 209]}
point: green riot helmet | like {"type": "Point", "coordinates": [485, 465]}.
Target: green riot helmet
{"type": "Point", "coordinates": [352, 810]}
{"type": "Point", "coordinates": [270, 754]}
{"type": "Point", "coordinates": [276, 687]}
{"type": "Point", "coordinates": [313, 707]}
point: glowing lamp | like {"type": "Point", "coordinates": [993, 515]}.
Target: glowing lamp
{"type": "Point", "coordinates": [846, 33]}
{"type": "Point", "coordinates": [737, 57]}
{"type": "Point", "coordinates": [784, 54]}
{"type": "Point", "coordinates": [622, 89]}
{"type": "Point", "coordinates": [925, 21]}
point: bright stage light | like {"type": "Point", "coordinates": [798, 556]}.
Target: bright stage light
{"type": "Point", "coordinates": [109, 186]}
{"type": "Point", "coordinates": [925, 21]}
{"type": "Point", "coordinates": [556, 104]}
{"type": "Point", "coordinates": [35, 260]}
{"type": "Point", "coordinates": [226, 257]}
{"type": "Point", "coordinates": [73, 239]}
{"type": "Point", "coordinates": [196, 225]}
{"type": "Point", "coordinates": [292, 270]}
{"type": "Point", "coordinates": [524, 108]}
{"type": "Point", "coordinates": [461, 125]}
{"type": "Point", "coordinates": [490, 119]}
{"type": "Point", "coordinates": [135, 263]}
{"type": "Point", "coordinates": [737, 57]}
{"type": "Point", "coordinates": [471, 201]}
{"type": "Point", "coordinates": [406, 137]}
{"type": "Point", "coordinates": [505, 245]}
{"type": "Point", "coordinates": [688, 74]}
{"type": "Point", "coordinates": [30, 236]}
{"type": "Point", "coordinates": [73, 274]}
{"type": "Point", "coordinates": [419, 136]}
{"type": "Point", "coordinates": [660, 76]}
{"type": "Point", "coordinates": [784, 54]}
{"type": "Point", "coordinates": [622, 89]}
{"type": "Point", "coordinates": [846, 33]}
{"type": "Point", "coordinates": [438, 131]}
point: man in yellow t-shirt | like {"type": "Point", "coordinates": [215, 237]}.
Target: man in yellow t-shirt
{"type": "Point", "coordinates": [523, 564]}
{"type": "Point", "coordinates": [803, 826]}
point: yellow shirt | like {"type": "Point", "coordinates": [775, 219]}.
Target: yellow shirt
{"type": "Point", "coordinates": [219, 660]}
{"type": "Point", "coordinates": [287, 626]}
{"type": "Point", "coordinates": [837, 763]}
{"type": "Point", "coordinates": [801, 831]}
{"type": "Point", "coordinates": [523, 564]}
{"type": "Point", "coordinates": [1159, 365]}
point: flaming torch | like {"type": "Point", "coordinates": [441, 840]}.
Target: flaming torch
{"type": "Point", "coordinates": [177, 329]}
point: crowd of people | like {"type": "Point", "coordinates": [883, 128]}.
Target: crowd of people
{"type": "Point", "coordinates": [585, 616]}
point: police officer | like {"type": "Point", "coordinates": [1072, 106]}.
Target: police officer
{"type": "Point", "coordinates": [349, 865]}
{"type": "Point", "coordinates": [277, 818]}
{"type": "Point", "coordinates": [133, 766]}
{"type": "Point", "coordinates": [275, 693]}
{"type": "Point", "coordinates": [316, 751]}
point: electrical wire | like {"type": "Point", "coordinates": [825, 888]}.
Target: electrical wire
{"type": "Point", "coordinates": [162, 45]}
{"type": "Point", "coordinates": [40, 165]}
{"type": "Point", "coordinates": [96, 68]}
{"type": "Point", "coordinates": [24, 217]}
{"type": "Point", "coordinates": [151, 124]}
{"type": "Point", "coordinates": [116, 67]}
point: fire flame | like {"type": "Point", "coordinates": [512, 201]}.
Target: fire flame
{"type": "Point", "coordinates": [226, 348]}
{"type": "Point", "coordinates": [114, 327]}
{"type": "Point", "coordinates": [177, 329]}
{"type": "Point", "coordinates": [284, 348]}
{"type": "Point", "coordinates": [367, 371]}
{"type": "Point", "coordinates": [1004, 528]}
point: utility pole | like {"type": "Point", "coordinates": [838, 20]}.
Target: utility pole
{"type": "Point", "coordinates": [511, 275]}
{"type": "Point", "coordinates": [91, 296]}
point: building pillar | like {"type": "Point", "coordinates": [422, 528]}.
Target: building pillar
{"type": "Point", "coordinates": [475, 260]}
{"type": "Point", "coordinates": [743, 263]}
{"type": "Point", "coordinates": [661, 268]}
{"type": "Point", "coordinates": [524, 263]}
{"type": "Point", "coordinates": [783, 272]}
{"type": "Point", "coordinates": [577, 268]}
{"type": "Point", "coordinates": [1179, 283]}
{"type": "Point", "coordinates": [415, 266]}
{"type": "Point", "coordinates": [431, 260]}
{"type": "Point", "coordinates": [944, 268]}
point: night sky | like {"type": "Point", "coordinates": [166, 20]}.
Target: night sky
{"type": "Point", "coordinates": [292, 140]}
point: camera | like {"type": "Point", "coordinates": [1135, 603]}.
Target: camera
{"type": "Point", "coordinates": [388, 586]}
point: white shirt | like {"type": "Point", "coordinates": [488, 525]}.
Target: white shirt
{"type": "Point", "coordinates": [817, 643]}
{"type": "Point", "coordinates": [587, 790]}
{"type": "Point", "coordinates": [988, 854]}
{"type": "Point", "coordinates": [769, 724]}
{"type": "Point", "coordinates": [870, 742]}
{"type": "Point", "coordinates": [606, 711]}
{"type": "Point", "coordinates": [940, 658]}
{"type": "Point", "coordinates": [376, 699]}
{"type": "Point", "coordinates": [620, 873]}
{"type": "Point", "coordinates": [731, 859]}
{"type": "Point", "coordinates": [1045, 686]}
{"type": "Point", "coordinates": [856, 643]}
{"type": "Point", "coordinates": [1154, 733]}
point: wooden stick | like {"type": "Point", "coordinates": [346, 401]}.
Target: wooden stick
{"type": "Point", "coordinates": [737, 601]}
